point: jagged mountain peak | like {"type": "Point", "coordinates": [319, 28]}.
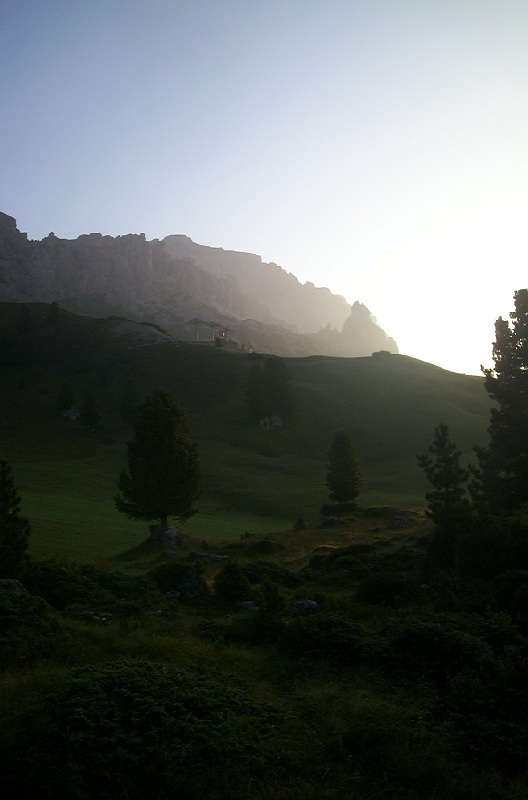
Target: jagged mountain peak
{"type": "Point", "coordinates": [172, 280]}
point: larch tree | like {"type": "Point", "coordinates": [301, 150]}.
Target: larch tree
{"type": "Point", "coordinates": [163, 468]}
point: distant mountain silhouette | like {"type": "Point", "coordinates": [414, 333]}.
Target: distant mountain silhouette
{"type": "Point", "coordinates": [172, 281]}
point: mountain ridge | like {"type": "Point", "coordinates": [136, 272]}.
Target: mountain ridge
{"type": "Point", "coordinates": [172, 280]}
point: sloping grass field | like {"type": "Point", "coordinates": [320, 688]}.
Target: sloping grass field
{"type": "Point", "coordinates": [252, 479]}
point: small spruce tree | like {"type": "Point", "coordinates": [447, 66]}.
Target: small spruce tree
{"type": "Point", "coordinates": [344, 475]}
{"type": "Point", "coordinates": [448, 505]}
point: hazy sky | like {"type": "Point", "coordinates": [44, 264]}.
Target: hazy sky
{"type": "Point", "coordinates": [379, 148]}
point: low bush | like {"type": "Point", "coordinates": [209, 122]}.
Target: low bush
{"type": "Point", "coordinates": [167, 577]}
{"type": "Point", "coordinates": [260, 572]}
{"type": "Point", "coordinates": [509, 592]}
{"type": "Point", "coordinates": [255, 628]}
{"type": "Point", "coordinates": [486, 715]}
{"type": "Point", "coordinates": [135, 588]}
{"type": "Point", "coordinates": [63, 584]}
{"type": "Point", "coordinates": [29, 630]}
{"type": "Point", "coordinates": [392, 589]}
{"type": "Point", "coordinates": [232, 585]}
{"type": "Point", "coordinates": [433, 648]}
{"type": "Point", "coordinates": [135, 730]}
{"type": "Point", "coordinates": [185, 582]}
{"type": "Point", "coordinates": [323, 636]}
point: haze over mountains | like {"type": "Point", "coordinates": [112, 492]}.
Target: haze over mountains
{"type": "Point", "coordinates": [172, 281]}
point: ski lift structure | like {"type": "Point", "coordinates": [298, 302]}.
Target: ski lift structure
{"type": "Point", "coordinates": [216, 329]}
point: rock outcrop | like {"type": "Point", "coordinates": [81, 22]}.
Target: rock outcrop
{"type": "Point", "coordinates": [169, 282]}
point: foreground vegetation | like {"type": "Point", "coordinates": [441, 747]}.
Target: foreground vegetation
{"type": "Point", "coordinates": [161, 683]}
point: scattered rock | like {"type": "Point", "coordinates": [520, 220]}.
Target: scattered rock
{"type": "Point", "coordinates": [192, 584]}
{"type": "Point", "coordinates": [11, 585]}
{"type": "Point", "coordinates": [303, 608]}
{"type": "Point", "coordinates": [401, 522]}
{"type": "Point", "coordinates": [210, 556]}
{"type": "Point", "coordinates": [171, 537]}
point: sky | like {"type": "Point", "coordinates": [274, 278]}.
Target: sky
{"type": "Point", "coordinates": [376, 147]}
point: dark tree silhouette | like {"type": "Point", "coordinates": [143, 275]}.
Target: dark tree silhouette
{"type": "Point", "coordinates": [344, 476]}
{"type": "Point", "coordinates": [447, 500]}
{"type": "Point", "coordinates": [163, 469]}
{"type": "Point", "coordinates": [14, 529]}
{"type": "Point", "coordinates": [503, 476]}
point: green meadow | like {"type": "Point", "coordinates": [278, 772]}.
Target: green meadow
{"type": "Point", "coordinates": [252, 479]}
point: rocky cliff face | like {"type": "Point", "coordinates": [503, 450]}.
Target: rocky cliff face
{"type": "Point", "coordinates": [171, 281]}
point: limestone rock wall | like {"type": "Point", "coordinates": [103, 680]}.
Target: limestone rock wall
{"type": "Point", "coordinates": [171, 281]}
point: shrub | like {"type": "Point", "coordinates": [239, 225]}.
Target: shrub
{"type": "Point", "coordinates": [510, 593]}
{"type": "Point", "coordinates": [487, 715]}
{"type": "Point", "coordinates": [232, 585]}
{"type": "Point", "coordinates": [63, 584]}
{"type": "Point", "coordinates": [329, 637]}
{"type": "Point", "coordinates": [187, 581]}
{"type": "Point", "coordinates": [29, 630]}
{"type": "Point", "coordinates": [261, 572]}
{"type": "Point", "coordinates": [122, 587]}
{"type": "Point", "coordinates": [135, 730]}
{"type": "Point", "coordinates": [167, 577]}
{"type": "Point", "coordinates": [255, 628]}
{"type": "Point", "coordinates": [389, 588]}
{"type": "Point", "coordinates": [433, 649]}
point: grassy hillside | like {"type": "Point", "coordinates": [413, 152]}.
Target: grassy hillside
{"type": "Point", "coordinates": [253, 479]}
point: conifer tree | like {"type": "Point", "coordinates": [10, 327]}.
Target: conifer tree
{"type": "Point", "coordinates": [503, 476]}
{"type": "Point", "coordinates": [14, 529]}
{"type": "Point", "coordinates": [163, 469]}
{"type": "Point", "coordinates": [448, 504]}
{"type": "Point", "coordinates": [344, 475]}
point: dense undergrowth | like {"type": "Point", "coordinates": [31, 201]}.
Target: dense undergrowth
{"type": "Point", "coordinates": [160, 684]}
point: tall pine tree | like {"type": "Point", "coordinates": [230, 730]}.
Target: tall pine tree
{"type": "Point", "coordinates": [503, 474]}
{"type": "Point", "coordinates": [163, 469]}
